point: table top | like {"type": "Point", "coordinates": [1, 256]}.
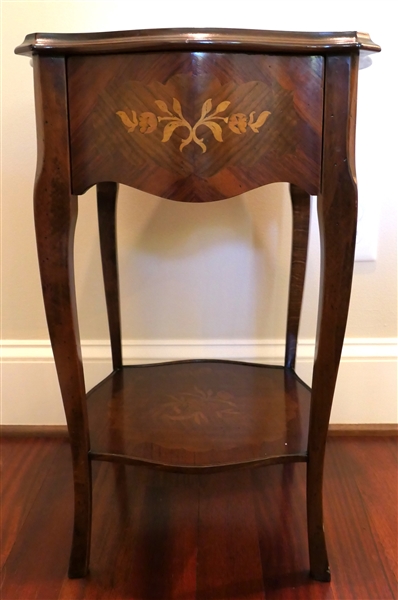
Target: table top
{"type": "Point", "coordinates": [195, 39]}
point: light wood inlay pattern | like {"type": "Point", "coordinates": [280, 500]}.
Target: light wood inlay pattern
{"type": "Point", "coordinates": [220, 412]}
{"type": "Point", "coordinates": [197, 115]}
{"type": "Point", "coordinates": [252, 120]}
{"type": "Point", "coordinates": [148, 121]}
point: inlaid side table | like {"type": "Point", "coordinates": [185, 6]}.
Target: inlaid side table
{"type": "Point", "coordinates": [196, 115]}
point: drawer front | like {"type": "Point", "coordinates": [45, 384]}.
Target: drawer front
{"type": "Point", "coordinates": [196, 126]}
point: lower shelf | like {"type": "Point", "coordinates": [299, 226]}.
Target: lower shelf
{"type": "Point", "coordinates": [199, 415]}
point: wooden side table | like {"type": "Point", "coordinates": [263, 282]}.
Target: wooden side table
{"type": "Point", "coordinates": [196, 116]}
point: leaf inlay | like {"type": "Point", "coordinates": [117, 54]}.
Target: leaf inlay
{"type": "Point", "coordinates": [237, 122]}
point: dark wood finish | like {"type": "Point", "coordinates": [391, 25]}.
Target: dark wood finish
{"type": "Point", "coordinates": [337, 214]}
{"type": "Point", "coordinates": [301, 224]}
{"type": "Point", "coordinates": [106, 203]}
{"type": "Point", "coordinates": [118, 122]}
{"type": "Point", "coordinates": [201, 40]}
{"type": "Point", "coordinates": [24, 464]}
{"type": "Point", "coordinates": [55, 219]}
{"type": "Point", "coordinates": [221, 413]}
{"type": "Point", "coordinates": [221, 536]}
{"type": "Point", "coordinates": [197, 127]}
{"type": "Point", "coordinates": [334, 429]}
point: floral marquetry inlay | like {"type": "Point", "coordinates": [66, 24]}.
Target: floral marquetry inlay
{"type": "Point", "coordinates": [198, 406]}
{"type": "Point", "coordinates": [237, 122]}
{"type": "Point", "coordinates": [181, 129]}
{"type": "Point", "coordinates": [206, 405]}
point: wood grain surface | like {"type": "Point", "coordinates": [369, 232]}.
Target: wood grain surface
{"type": "Point", "coordinates": [196, 126]}
{"type": "Point", "coordinates": [195, 39]}
{"type": "Point", "coordinates": [202, 414]}
{"type": "Point", "coordinates": [232, 155]}
{"type": "Point", "coordinates": [223, 536]}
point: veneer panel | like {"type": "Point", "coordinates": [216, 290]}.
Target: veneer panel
{"type": "Point", "coordinates": [200, 415]}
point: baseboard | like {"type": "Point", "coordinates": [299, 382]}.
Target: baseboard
{"type": "Point", "coordinates": [363, 429]}
{"type": "Point", "coordinates": [161, 350]}
{"type": "Point", "coordinates": [366, 391]}
{"type": "Point", "coordinates": [35, 431]}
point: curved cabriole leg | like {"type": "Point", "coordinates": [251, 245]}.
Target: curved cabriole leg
{"type": "Point", "coordinates": [55, 219]}
{"type": "Point", "coordinates": [106, 203]}
{"type": "Point", "coordinates": [301, 219]}
{"type": "Point", "coordinates": [337, 213]}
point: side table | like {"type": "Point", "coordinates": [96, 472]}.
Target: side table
{"type": "Point", "coordinates": [196, 115]}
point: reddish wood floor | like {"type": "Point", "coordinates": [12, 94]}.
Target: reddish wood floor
{"type": "Point", "coordinates": [228, 536]}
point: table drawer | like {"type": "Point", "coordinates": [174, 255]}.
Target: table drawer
{"type": "Point", "coordinates": [195, 126]}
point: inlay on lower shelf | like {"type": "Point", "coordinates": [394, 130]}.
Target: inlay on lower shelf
{"type": "Point", "coordinates": [197, 115]}
{"type": "Point", "coordinates": [200, 414]}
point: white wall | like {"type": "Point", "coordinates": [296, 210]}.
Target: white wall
{"type": "Point", "coordinates": [215, 280]}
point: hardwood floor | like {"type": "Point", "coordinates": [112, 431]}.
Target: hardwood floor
{"type": "Point", "coordinates": [228, 536]}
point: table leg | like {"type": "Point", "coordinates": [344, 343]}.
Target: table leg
{"type": "Point", "coordinates": [337, 214]}
{"type": "Point", "coordinates": [301, 221]}
{"type": "Point", "coordinates": [106, 203]}
{"type": "Point", "coordinates": [55, 219]}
